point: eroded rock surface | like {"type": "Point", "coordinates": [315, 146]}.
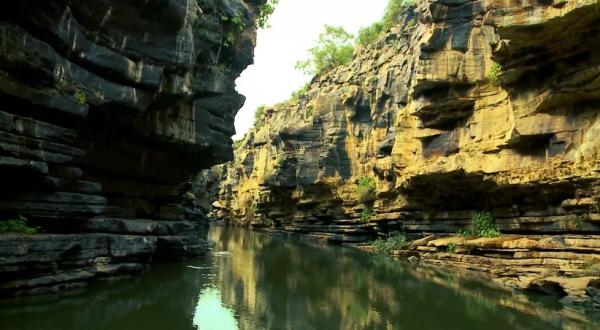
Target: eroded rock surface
{"type": "Point", "coordinates": [107, 107]}
{"type": "Point", "coordinates": [466, 106]}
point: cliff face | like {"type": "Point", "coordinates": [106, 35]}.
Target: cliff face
{"type": "Point", "coordinates": [107, 107]}
{"type": "Point", "coordinates": [466, 106]}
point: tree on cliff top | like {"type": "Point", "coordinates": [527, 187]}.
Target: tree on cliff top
{"type": "Point", "coordinates": [259, 114]}
{"type": "Point", "coordinates": [333, 48]}
{"type": "Point", "coordinates": [264, 12]}
{"type": "Point", "coordinates": [391, 17]}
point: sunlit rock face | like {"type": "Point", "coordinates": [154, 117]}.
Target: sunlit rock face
{"type": "Point", "coordinates": [107, 108]}
{"type": "Point", "coordinates": [466, 106]}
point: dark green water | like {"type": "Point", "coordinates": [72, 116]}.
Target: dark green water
{"type": "Point", "coordinates": [254, 281]}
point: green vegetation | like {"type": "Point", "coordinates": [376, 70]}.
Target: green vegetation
{"type": "Point", "coordinates": [237, 144]}
{"type": "Point", "coordinates": [334, 48]}
{"type": "Point", "coordinates": [310, 111]}
{"type": "Point", "coordinates": [238, 21]}
{"type": "Point", "coordinates": [300, 92]}
{"type": "Point", "coordinates": [366, 189]}
{"type": "Point", "coordinates": [392, 15]}
{"type": "Point", "coordinates": [235, 20]}
{"type": "Point", "coordinates": [494, 74]}
{"type": "Point", "coordinates": [367, 214]}
{"type": "Point", "coordinates": [392, 241]}
{"type": "Point", "coordinates": [259, 114]}
{"type": "Point", "coordinates": [264, 12]}
{"type": "Point", "coordinates": [80, 97]}
{"type": "Point", "coordinates": [18, 225]}
{"type": "Point", "coordinates": [369, 34]}
{"type": "Point", "coordinates": [451, 247]}
{"type": "Point", "coordinates": [578, 221]}
{"type": "Point", "coordinates": [592, 268]}
{"type": "Point", "coordinates": [482, 225]}
{"type": "Point", "coordinates": [228, 39]}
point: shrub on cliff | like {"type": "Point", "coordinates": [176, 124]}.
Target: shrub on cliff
{"type": "Point", "coordinates": [369, 34]}
{"type": "Point", "coordinates": [482, 225]}
{"type": "Point", "coordinates": [391, 17]}
{"type": "Point", "coordinates": [297, 94]}
{"type": "Point", "coordinates": [334, 48]}
{"type": "Point", "coordinates": [264, 12]}
{"type": "Point", "coordinates": [366, 214]}
{"type": "Point", "coordinates": [391, 242]}
{"type": "Point", "coordinates": [237, 144]}
{"type": "Point", "coordinates": [366, 190]}
{"type": "Point", "coordinates": [494, 74]}
{"type": "Point", "coordinates": [18, 225]}
{"type": "Point", "coordinates": [259, 114]}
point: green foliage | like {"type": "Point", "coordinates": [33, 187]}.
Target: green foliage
{"type": "Point", "coordinates": [394, 11]}
{"type": "Point", "coordinates": [310, 111]}
{"type": "Point", "coordinates": [482, 225]}
{"type": "Point", "coordinates": [451, 247]}
{"type": "Point", "coordinates": [592, 268]}
{"type": "Point", "coordinates": [237, 144]}
{"type": "Point", "coordinates": [18, 225]}
{"type": "Point", "coordinates": [259, 114]}
{"type": "Point", "coordinates": [300, 92]}
{"type": "Point", "coordinates": [494, 73]}
{"type": "Point", "coordinates": [228, 39]}
{"type": "Point", "coordinates": [369, 34]}
{"type": "Point", "coordinates": [264, 12]}
{"type": "Point", "coordinates": [392, 241]}
{"type": "Point", "coordinates": [391, 17]}
{"type": "Point", "coordinates": [334, 48]}
{"type": "Point", "coordinates": [238, 22]}
{"type": "Point", "coordinates": [255, 209]}
{"type": "Point", "coordinates": [80, 97]}
{"type": "Point", "coordinates": [367, 214]}
{"type": "Point", "coordinates": [578, 222]}
{"type": "Point", "coordinates": [366, 189]}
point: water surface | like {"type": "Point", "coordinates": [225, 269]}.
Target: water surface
{"type": "Point", "coordinates": [255, 281]}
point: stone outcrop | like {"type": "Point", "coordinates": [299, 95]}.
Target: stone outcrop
{"type": "Point", "coordinates": [107, 109]}
{"type": "Point", "coordinates": [465, 106]}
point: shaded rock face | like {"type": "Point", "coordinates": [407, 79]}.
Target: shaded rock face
{"type": "Point", "coordinates": [466, 106]}
{"type": "Point", "coordinates": [107, 108]}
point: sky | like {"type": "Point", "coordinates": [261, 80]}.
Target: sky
{"type": "Point", "coordinates": [295, 26]}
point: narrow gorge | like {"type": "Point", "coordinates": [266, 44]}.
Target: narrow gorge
{"type": "Point", "coordinates": [465, 110]}
{"type": "Point", "coordinates": [443, 161]}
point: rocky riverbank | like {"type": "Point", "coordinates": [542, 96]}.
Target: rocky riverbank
{"type": "Point", "coordinates": [464, 107]}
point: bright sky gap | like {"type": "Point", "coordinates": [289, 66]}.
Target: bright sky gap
{"type": "Point", "coordinates": [295, 26]}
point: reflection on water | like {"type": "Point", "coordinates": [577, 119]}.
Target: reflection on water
{"type": "Point", "coordinates": [286, 284]}
{"type": "Point", "coordinates": [211, 314]}
{"type": "Point", "coordinates": [253, 281]}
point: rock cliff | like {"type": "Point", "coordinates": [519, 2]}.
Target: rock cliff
{"type": "Point", "coordinates": [466, 106]}
{"type": "Point", "coordinates": [107, 108]}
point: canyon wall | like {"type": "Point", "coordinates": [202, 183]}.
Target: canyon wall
{"type": "Point", "coordinates": [464, 107]}
{"type": "Point", "coordinates": [107, 109]}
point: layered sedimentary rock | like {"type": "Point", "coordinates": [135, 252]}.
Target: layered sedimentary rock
{"type": "Point", "coordinates": [107, 108]}
{"type": "Point", "coordinates": [466, 106]}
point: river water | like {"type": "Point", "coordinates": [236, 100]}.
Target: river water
{"type": "Point", "coordinates": [256, 281]}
